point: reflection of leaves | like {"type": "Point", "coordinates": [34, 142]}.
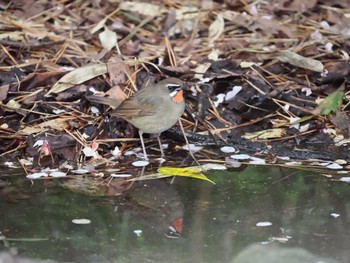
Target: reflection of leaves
{"type": "Point", "coordinates": [332, 102]}
{"type": "Point", "coordinates": [186, 172]}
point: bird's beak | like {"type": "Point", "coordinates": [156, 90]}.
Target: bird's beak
{"type": "Point", "coordinates": [183, 86]}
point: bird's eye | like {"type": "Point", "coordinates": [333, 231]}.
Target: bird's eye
{"type": "Point", "coordinates": [173, 87]}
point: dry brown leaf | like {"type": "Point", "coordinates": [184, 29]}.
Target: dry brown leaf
{"type": "Point", "coordinates": [78, 76]}
{"type": "Point", "coordinates": [142, 8]}
{"type": "Point", "coordinates": [216, 28]}
{"type": "Point", "coordinates": [295, 59]}
{"type": "Point", "coordinates": [118, 72]}
{"type": "Point", "coordinates": [201, 69]}
{"type": "Point", "coordinates": [265, 134]}
{"type": "Point", "coordinates": [108, 39]}
{"type": "Point", "coordinates": [58, 124]}
{"type": "Point", "coordinates": [186, 12]}
{"type": "Point", "coordinates": [3, 91]}
{"type": "Point", "coordinates": [116, 93]}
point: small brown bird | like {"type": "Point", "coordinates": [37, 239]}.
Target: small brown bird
{"type": "Point", "coordinates": [152, 109]}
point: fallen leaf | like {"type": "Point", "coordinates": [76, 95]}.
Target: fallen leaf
{"type": "Point", "coordinates": [332, 102]}
{"type": "Point", "coordinates": [186, 172]}
{"type": "Point", "coordinates": [265, 134]}
{"type": "Point", "coordinates": [108, 38]}
{"type": "Point", "coordinates": [201, 69]}
{"type": "Point", "coordinates": [216, 28]}
{"type": "Point", "coordinates": [146, 9]}
{"type": "Point", "coordinates": [58, 124]}
{"type": "Point", "coordinates": [77, 76]}
{"type": "Point", "coordinates": [295, 59]}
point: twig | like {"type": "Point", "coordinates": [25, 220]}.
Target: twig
{"type": "Point", "coordinates": [188, 144]}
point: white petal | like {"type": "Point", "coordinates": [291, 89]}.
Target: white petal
{"type": "Point", "coordinates": [58, 111]}
{"type": "Point", "coordinates": [255, 160]}
{"type": "Point", "coordinates": [38, 143]}
{"type": "Point", "coordinates": [58, 174]}
{"type": "Point", "coordinates": [89, 152]}
{"type": "Point", "coordinates": [80, 171]}
{"type": "Point", "coordinates": [264, 223]}
{"type": "Point", "coordinates": [345, 179]}
{"type": "Point", "coordinates": [36, 175]}
{"type": "Point", "coordinates": [10, 165]}
{"type": "Point", "coordinates": [192, 147]}
{"type": "Point", "coordinates": [227, 149]}
{"type": "Point", "coordinates": [213, 166]}
{"type": "Point", "coordinates": [140, 163]}
{"type": "Point", "coordinates": [81, 221]}
{"type": "Point", "coordinates": [334, 166]}
{"type": "Point", "coordinates": [335, 215]}
{"type": "Point", "coordinates": [231, 94]}
{"type": "Point", "coordinates": [138, 232]}
{"type": "Point", "coordinates": [95, 110]}
{"type": "Point", "coordinates": [121, 175]}
{"type": "Point", "coordinates": [240, 156]}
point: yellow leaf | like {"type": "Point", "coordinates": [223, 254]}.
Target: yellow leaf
{"type": "Point", "coordinates": [186, 172]}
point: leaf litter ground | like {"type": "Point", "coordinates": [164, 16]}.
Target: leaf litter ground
{"type": "Point", "coordinates": [267, 78]}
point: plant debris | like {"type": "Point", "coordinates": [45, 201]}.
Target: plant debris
{"type": "Point", "coordinates": [265, 78]}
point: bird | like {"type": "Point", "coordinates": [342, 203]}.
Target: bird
{"type": "Point", "coordinates": [153, 109]}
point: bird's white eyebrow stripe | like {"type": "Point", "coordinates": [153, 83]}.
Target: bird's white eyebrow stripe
{"type": "Point", "coordinates": [173, 85]}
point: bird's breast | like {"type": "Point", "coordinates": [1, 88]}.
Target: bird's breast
{"type": "Point", "coordinates": [165, 117]}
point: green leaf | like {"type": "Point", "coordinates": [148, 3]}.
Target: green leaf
{"type": "Point", "coordinates": [186, 172]}
{"type": "Point", "coordinates": [332, 102]}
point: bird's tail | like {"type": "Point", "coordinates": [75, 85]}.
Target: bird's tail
{"type": "Point", "coordinates": [114, 103]}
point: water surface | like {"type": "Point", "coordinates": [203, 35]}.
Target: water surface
{"type": "Point", "coordinates": [305, 210]}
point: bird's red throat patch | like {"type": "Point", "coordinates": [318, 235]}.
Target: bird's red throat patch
{"type": "Point", "coordinates": [178, 98]}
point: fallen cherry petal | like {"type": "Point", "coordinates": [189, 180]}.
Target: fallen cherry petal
{"type": "Point", "coordinates": [80, 171]}
{"type": "Point", "coordinates": [121, 175]}
{"type": "Point", "coordinates": [81, 221]}
{"type": "Point", "coordinates": [345, 179]}
{"type": "Point", "coordinates": [335, 215]}
{"type": "Point", "coordinates": [140, 163]}
{"type": "Point", "coordinates": [38, 143]}
{"type": "Point", "coordinates": [227, 149]}
{"type": "Point", "coordinates": [58, 111]}
{"type": "Point", "coordinates": [10, 165]}
{"type": "Point", "coordinates": [58, 174]}
{"type": "Point", "coordinates": [213, 166]}
{"type": "Point", "coordinates": [192, 147]}
{"type": "Point", "coordinates": [36, 175]}
{"type": "Point", "coordinates": [138, 232]}
{"type": "Point", "coordinates": [334, 166]}
{"type": "Point", "coordinates": [89, 152]}
{"type": "Point", "coordinates": [255, 160]}
{"type": "Point", "coordinates": [240, 156]}
{"type": "Point", "coordinates": [264, 224]}
{"type": "Point", "coordinates": [116, 151]}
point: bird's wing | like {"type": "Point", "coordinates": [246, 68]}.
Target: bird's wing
{"type": "Point", "coordinates": [114, 103]}
{"type": "Point", "coordinates": [139, 105]}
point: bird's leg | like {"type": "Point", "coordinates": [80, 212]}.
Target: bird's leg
{"type": "Point", "coordinates": [160, 146]}
{"type": "Point", "coordinates": [143, 146]}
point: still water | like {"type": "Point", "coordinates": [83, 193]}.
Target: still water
{"type": "Point", "coordinates": [262, 205]}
